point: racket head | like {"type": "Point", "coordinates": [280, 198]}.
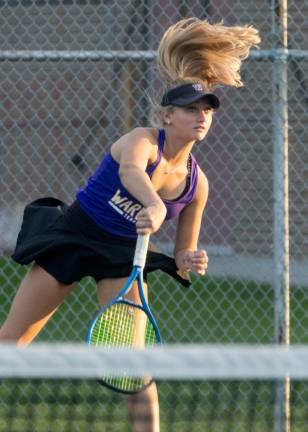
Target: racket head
{"type": "Point", "coordinates": [124, 324]}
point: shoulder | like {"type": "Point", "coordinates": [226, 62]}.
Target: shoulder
{"type": "Point", "coordinates": [143, 134]}
{"type": "Point", "coordinates": [202, 178]}
{"type": "Point", "coordinates": [202, 187]}
{"type": "Point", "coordinates": [139, 139]}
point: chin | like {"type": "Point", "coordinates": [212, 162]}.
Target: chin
{"type": "Point", "coordinates": [199, 136]}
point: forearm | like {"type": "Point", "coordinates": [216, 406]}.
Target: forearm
{"type": "Point", "coordinates": [138, 183]}
{"type": "Point", "coordinates": [186, 243]}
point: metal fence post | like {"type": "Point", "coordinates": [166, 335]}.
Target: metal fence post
{"type": "Point", "coordinates": [281, 203]}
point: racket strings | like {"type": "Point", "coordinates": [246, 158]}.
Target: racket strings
{"type": "Point", "coordinates": [124, 325]}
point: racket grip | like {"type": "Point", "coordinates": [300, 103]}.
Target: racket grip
{"type": "Point", "coordinates": [141, 250]}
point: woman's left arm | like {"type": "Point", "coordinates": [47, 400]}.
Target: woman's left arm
{"type": "Point", "coordinates": [186, 254]}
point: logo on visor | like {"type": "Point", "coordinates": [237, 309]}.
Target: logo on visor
{"type": "Point", "coordinates": [198, 87]}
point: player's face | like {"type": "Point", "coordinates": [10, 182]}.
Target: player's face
{"type": "Point", "coordinates": [193, 121]}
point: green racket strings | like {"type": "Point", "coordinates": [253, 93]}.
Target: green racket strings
{"type": "Point", "coordinates": [123, 325]}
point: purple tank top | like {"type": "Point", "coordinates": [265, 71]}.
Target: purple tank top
{"type": "Point", "coordinates": [114, 209]}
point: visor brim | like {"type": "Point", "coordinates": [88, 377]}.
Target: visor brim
{"type": "Point", "coordinates": [208, 98]}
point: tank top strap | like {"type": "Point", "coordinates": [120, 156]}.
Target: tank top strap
{"type": "Point", "coordinates": [193, 174]}
{"type": "Point", "coordinates": [160, 142]}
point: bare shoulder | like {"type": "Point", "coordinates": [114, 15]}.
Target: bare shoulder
{"type": "Point", "coordinates": [140, 136]}
{"type": "Point", "coordinates": [202, 178]}
{"type": "Point", "coordinates": [146, 133]}
{"type": "Point", "coordinates": [202, 190]}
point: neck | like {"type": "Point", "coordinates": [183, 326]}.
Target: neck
{"type": "Point", "coordinates": [176, 149]}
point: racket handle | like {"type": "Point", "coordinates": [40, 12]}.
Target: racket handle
{"type": "Point", "coordinates": [141, 250]}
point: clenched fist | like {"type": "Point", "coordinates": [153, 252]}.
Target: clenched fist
{"type": "Point", "coordinates": [196, 261]}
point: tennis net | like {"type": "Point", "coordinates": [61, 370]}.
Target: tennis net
{"type": "Point", "coordinates": [49, 387]}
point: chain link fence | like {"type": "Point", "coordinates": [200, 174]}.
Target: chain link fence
{"type": "Point", "coordinates": [76, 74]}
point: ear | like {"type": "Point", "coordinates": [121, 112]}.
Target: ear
{"type": "Point", "coordinates": [167, 115]}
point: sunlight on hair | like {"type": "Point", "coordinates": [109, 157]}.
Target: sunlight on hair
{"type": "Point", "coordinates": [194, 50]}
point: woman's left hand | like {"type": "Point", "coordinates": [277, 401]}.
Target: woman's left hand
{"type": "Point", "coordinates": [196, 261]}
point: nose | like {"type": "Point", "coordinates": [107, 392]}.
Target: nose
{"type": "Point", "coordinates": [202, 115]}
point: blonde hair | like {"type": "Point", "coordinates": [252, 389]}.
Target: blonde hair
{"type": "Point", "coordinates": [194, 50]}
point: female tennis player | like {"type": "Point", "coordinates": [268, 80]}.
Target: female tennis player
{"type": "Point", "coordinates": [148, 176]}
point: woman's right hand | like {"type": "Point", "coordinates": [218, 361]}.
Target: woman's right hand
{"type": "Point", "coordinates": [150, 218]}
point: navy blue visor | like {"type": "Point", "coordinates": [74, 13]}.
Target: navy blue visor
{"type": "Point", "coordinates": [188, 93]}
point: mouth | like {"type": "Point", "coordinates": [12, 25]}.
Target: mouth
{"type": "Point", "coordinates": [200, 128]}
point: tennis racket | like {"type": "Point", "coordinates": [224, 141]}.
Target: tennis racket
{"type": "Point", "coordinates": [123, 323]}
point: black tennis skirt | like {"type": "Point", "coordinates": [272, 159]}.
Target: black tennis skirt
{"type": "Point", "coordinates": [69, 245]}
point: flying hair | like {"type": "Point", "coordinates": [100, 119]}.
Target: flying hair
{"type": "Point", "coordinates": [193, 50]}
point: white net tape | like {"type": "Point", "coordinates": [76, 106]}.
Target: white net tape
{"type": "Point", "coordinates": [184, 362]}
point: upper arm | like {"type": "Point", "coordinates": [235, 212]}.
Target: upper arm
{"type": "Point", "coordinates": [135, 149]}
{"type": "Point", "coordinates": [190, 219]}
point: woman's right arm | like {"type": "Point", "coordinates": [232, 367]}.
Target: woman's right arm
{"type": "Point", "coordinates": [134, 152]}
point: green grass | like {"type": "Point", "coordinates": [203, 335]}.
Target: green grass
{"type": "Point", "coordinates": [212, 310]}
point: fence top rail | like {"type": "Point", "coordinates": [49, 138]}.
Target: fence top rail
{"type": "Point", "coordinates": [108, 55]}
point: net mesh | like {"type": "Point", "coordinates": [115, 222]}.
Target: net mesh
{"type": "Point", "coordinates": [82, 405]}
{"type": "Point", "coordinates": [201, 388]}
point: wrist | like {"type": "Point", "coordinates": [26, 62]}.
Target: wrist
{"type": "Point", "coordinates": [158, 207]}
{"type": "Point", "coordinates": [182, 258]}
{"type": "Point", "coordinates": [158, 204]}
{"type": "Point", "coordinates": [182, 263]}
